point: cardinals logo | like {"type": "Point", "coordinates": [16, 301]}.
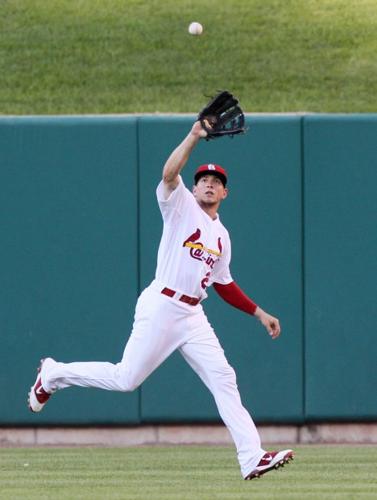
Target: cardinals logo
{"type": "Point", "coordinates": [199, 252]}
{"type": "Point", "coordinates": [219, 244]}
{"type": "Point", "coordinates": [196, 248]}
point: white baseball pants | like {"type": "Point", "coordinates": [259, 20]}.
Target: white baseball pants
{"type": "Point", "coordinates": [162, 325]}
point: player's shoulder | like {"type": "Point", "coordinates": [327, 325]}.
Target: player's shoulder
{"type": "Point", "coordinates": [179, 200]}
{"type": "Point", "coordinates": [165, 192]}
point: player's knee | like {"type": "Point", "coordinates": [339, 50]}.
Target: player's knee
{"type": "Point", "coordinates": [128, 382]}
{"type": "Point", "coordinates": [226, 378]}
{"type": "Point", "coordinates": [132, 385]}
{"type": "Point", "coordinates": [128, 385]}
{"type": "Point", "coordinates": [231, 377]}
{"type": "Point", "coordinates": [229, 373]}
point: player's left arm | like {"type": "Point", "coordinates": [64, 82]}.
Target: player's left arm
{"type": "Point", "coordinates": [233, 295]}
{"type": "Point", "coordinates": [179, 157]}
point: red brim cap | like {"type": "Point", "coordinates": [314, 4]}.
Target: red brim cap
{"type": "Point", "coordinates": [212, 169]}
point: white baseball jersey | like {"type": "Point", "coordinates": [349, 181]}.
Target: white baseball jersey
{"type": "Point", "coordinates": [195, 250]}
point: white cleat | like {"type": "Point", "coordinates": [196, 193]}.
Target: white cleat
{"type": "Point", "coordinates": [271, 460]}
{"type": "Point", "coordinates": [38, 397]}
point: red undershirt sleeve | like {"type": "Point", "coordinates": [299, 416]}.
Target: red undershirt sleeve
{"type": "Point", "coordinates": [233, 295]}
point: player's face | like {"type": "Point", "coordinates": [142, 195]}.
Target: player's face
{"type": "Point", "coordinates": [209, 190]}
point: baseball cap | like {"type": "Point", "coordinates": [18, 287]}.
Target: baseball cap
{"type": "Point", "coordinates": [212, 169]}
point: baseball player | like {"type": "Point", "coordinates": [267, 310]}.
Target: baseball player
{"type": "Point", "coordinates": [194, 253]}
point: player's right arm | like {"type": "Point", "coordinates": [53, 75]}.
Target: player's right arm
{"type": "Point", "coordinates": [271, 323]}
{"type": "Point", "coordinates": [178, 158]}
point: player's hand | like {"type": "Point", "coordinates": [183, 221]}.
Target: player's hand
{"type": "Point", "coordinates": [271, 323]}
{"type": "Point", "coordinates": [198, 130]}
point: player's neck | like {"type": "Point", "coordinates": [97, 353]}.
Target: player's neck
{"type": "Point", "coordinates": [210, 209]}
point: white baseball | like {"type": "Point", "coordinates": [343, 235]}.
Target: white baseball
{"type": "Point", "coordinates": [195, 29]}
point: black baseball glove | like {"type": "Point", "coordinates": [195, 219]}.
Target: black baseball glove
{"type": "Point", "coordinates": [222, 116]}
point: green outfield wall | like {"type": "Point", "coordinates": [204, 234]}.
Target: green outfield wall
{"type": "Point", "coordinates": [80, 230]}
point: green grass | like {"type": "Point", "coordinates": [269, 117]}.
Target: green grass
{"type": "Point", "coordinates": [183, 473]}
{"type": "Point", "coordinates": [121, 56]}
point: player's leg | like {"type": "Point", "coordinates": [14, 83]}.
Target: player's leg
{"type": "Point", "coordinates": [151, 342]}
{"type": "Point", "coordinates": [205, 355]}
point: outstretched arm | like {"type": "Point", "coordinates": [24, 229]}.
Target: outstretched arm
{"type": "Point", "coordinates": [178, 158]}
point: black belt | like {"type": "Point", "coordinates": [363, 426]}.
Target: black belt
{"type": "Point", "coordinates": [193, 301]}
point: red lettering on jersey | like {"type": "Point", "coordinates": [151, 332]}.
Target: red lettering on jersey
{"type": "Point", "coordinates": [210, 262]}
{"type": "Point", "coordinates": [205, 280]}
{"type": "Point", "coordinates": [197, 253]}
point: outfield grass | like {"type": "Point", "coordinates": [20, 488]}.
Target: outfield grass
{"type": "Point", "coordinates": [183, 473]}
{"type": "Point", "coordinates": [121, 56]}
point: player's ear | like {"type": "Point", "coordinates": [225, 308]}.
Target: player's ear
{"type": "Point", "coordinates": [225, 193]}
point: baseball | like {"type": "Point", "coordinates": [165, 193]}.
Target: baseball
{"type": "Point", "coordinates": [195, 29]}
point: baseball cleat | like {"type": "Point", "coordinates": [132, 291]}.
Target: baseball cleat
{"type": "Point", "coordinates": [38, 397]}
{"type": "Point", "coordinates": [270, 460]}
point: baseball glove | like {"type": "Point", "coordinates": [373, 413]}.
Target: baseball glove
{"type": "Point", "coordinates": [222, 116]}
